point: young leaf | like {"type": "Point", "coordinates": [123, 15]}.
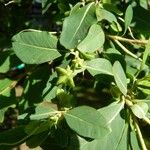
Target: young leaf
{"type": "Point", "coordinates": [87, 122]}
{"type": "Point", "coordinates": [140, 109]}
{"type": "Point", "coordinates": [99, 66]}
{"type": "Point", "coordinates": [120, 77]}
{"type": "Point", "coordinates": [35, 47]}
{"type": "Point", "coordinates": [75, 27]}
{"type": "Point", "coordinates": [93, 41]}
{"type": "Point", "coordinates": [128, 17]}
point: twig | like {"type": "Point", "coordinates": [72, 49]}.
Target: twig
{"type": "Point", "coordinates": [126, 50]}
{"type": "Point", "coordinates": [133, 41]}
{"type": "Point", "coordinates": [10, 2]}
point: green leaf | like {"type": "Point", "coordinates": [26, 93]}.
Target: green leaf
{"type": "Point", "coordinates": [116, 140]}
{"type": "Point", "coordinates": [128, 17]}
{"type": "Point", "coordinates": [2, 113]}
{"type": "Point", "coordinates": [144, 84]}
{"type": "Point", "coordinates": [99, 66]}
{"type": "Point", "coordinates": [120, 77]}
{"type": "Point", "coordinates": [4, 61]}
{"type": "Point", "coordinates": [37, 140]}
{"type": "Point", "coordinates": [50, 90]}
{"type": "Point", "coordinates": [35, 47]}
{"type": "Point", "coordinates": [41, 126]}
{"type": "Point", "coordinates": [75, 27]}
{"type": "Point", "coordinates": [87, 122]}
{"type": "Point", "coordinates": [6, 85]}
{"type": "Point", "coordinates": [140, 109]}
{"type": "Point", "coordinates": [146, 54]}
{"type": "Point", "coordinates": [7, 96]}
{"type": "Point", "coordinates": [76, 8]}
{"type": "Point", "coordinates": [42, 111]}
{"type": "Point", "coordinates": [103, 14]}
{"type": "Point", "coordinates": [94, 39]}
{"type": "Point", "coordinates": [134, 141]}
{"type": "Point", "coordinates": [111, 111]}
{"type": "Point", "coordinates": [45, 5]}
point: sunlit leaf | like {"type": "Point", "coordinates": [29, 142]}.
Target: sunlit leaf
{"type": "Point", "coordinates": [35, 47]}
{"type": "Point", "coordinates": [99, 66]}
{"type": "Point", "coordinates": [75, 27]}
{"type": "Point", "coordinates": [94, 39]}
{"type": "Point", "coordinates": [87, 122]}
{"type": "Point", "coordinates": [140, 109]}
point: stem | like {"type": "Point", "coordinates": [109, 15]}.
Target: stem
{"type": "Point", "coordinates": [126, 50]}
{"type": "Point", "coordinates": [135, 41]}
{"type": "Point", "coordinates": [146, 120]}
{"type": "Point", "coordinates": [10, 2]}
{"type": "Point", "coordinates": [139, 135]}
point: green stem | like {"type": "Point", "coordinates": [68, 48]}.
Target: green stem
{"type": "Point", "coordinates": [140, 137]}
{"type": "Point", "coordinates": [147, 120]}
{"type": "Point", "coordinates": [134, 41]}
{"type": "Point", "coordinates": [126, 50]}
{"type": "Point", "coordinates": [10, 2]}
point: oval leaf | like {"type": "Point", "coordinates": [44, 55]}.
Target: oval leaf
{"type": "Point", "coordinates": [103, 14]}
{"type": "Point", "coordinates": [99, 66]}
{"type": "Point", "coordinates": [87, 122]}
{"type": "Point", "coordinates": [140, 109]}
{"type": "Point", "coordinates": [120, 77]}
{"type": "Point", "coordinates": [75, 27]}
{"type": "Point", "coordinates": [116, 140]}
{"type": "Point", "coordinates": [128, 17]}
{"type": "Point", "coordinates": [35, 47]}
{"type": "Point", "coordinates": [94, 40]}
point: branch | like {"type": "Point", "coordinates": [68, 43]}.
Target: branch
{"type": "Point", "coordinates": [126, 50]}
{"type": "Point", "coordinates": [135, 41]}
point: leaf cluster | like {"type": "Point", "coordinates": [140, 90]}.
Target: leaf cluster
{"type": "Point", "coordinates": [83, 86]}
